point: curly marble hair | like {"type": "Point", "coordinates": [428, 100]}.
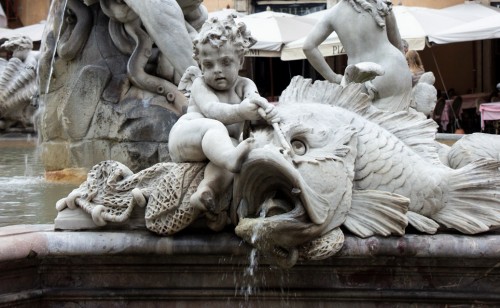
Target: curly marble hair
{"type": "Point", "coordinates": [218, 32]}
{"type": "Point", "coordinates": [377, 8]}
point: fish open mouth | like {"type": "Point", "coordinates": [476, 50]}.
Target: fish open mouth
{"type": "Point", "coordinates": [267, 200]}
{"type": "Point", "coordinates": [265, 187]}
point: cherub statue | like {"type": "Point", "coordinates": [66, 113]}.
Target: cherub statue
{"type": "Point", "coordinates": [369, 33]}
{"type": "Point", "coordinates": [220, 101]}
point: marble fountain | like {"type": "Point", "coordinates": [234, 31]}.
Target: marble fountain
{"type": "Point", "coordinates": [339, 194]}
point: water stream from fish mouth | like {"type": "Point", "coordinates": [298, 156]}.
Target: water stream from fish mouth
{"type": "Point", "coordinates": [25, 196]}
{"type": "Point", "coordinates": [251, 280]}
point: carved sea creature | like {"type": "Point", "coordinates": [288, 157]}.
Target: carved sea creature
{"type": "Point", "coordinates": [345, 164]}
{"type": "Point", "coordinates": [352, 165]}
{"type": "Point", "coordinates": [472, 147]}
{"type": "Point", "coordinates": [137, 27]}
{"type": "Point", "coordinates": [18, 82]}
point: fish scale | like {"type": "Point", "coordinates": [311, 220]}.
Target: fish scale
{"type": "Point", "coordinates": [386, 163]}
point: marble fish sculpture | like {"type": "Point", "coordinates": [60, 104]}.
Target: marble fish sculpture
{"type": "Point", "coordinates": [334, 161]}
{"type": "Point", "coordinates": [353, 165]}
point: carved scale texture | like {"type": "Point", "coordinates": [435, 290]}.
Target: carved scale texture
{"type": "Point", "coordinates": [396, 151]}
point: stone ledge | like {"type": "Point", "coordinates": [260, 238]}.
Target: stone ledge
{"type": "Point", "coordinates": [22, 241]}
{"type": "Point", "coordinates": [39, 266]}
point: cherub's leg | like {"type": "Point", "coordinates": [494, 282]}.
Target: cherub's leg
{"type": "Point", "coordinates": [209, 196]}
{"type": "Point", "coordinates": [219, 149]}
{"type": "Point", "coordinates": [215, 183]}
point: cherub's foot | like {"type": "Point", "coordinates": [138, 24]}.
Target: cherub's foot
{"type": "Point", "coordinates": [234, 162]}
{"type": "Point", "coordinates": [216, 222]}
{"type": "Point", "coordinates": [204, 200]}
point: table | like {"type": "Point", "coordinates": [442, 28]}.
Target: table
{"type": "Point", "coordinates": [489, 111]}
{"type": "Point", "coordinates": [468, 101]}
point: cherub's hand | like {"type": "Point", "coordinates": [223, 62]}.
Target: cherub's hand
{"type": "Point", "coordinates": [267, 111]}
{"type": "Point", "coordinates": [248, 109]}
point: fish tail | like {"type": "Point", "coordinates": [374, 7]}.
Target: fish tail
{"type": "Point", "coordinates": [472, 204]}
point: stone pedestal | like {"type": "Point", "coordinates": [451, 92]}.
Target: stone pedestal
{"type": "Point", "coordinates": [41, 267]}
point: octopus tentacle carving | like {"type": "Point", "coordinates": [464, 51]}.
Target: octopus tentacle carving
{"type": "Point", "coordinates": [125, 27]}
{"type": "Point", "coordinates": [138, 61]}
{"type": "Point", "coordinates": [77, 30]}
{"type": "Point", "coordinates": [122, 41]}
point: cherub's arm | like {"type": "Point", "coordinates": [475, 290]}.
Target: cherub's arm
{"type": "Point", "coordinates": [209, 105]}
{"type": "Point", "coordinates": [318, 34]}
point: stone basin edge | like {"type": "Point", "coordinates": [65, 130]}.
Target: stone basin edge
{"type": "Point", "coordinates": [40, 241]}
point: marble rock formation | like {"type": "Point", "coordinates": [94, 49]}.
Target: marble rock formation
{"type": "Point", "coordinates": [108, 80]}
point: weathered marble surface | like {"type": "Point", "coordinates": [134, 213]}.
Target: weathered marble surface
{"type": "Point", "coordinates": [331, 158]}
{"type": "Point", "coordinates": [333, 162]}
{"type": "Point", "coordinates": [108, 88]}
{"type": "Point", "coordinates": [49, 268]}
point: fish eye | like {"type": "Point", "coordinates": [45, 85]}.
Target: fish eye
{"type": "Point", "coordinates": [298, 147]}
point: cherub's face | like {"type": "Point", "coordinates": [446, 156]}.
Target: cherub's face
{"type": "Point", "coordinates": [220, 66]}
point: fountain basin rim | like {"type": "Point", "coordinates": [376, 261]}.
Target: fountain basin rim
{"type": "Point", "coordinates": [41, 241]}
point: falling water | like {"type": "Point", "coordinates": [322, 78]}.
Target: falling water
{"type": "Point", "coordinates": [50, 24]}
{"type": "Point", "coordinates": [250, 280]}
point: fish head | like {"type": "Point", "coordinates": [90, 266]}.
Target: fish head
{"type": "Point", "coordinates": [297, 183]}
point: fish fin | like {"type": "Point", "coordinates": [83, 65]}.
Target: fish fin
{"type": "Point", "coordinates": [377, 212]}
{"type": "Point", "coordinates": [473, 200]}
{"type": "Point", "coordinates": [422, 223]}
{"type": "Point", "coordinates": [351, 97]}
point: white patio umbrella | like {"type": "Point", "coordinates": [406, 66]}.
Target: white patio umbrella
{"type": "Point", "coordinates": [481, 29]}
{"type": "Point", "coordinates": [473, 22]}
{"type": "Point", "coordinates": [35, 32]}
{"type": "Point", "coordinates": [409, 27]}
{"type": "Point", "coordinates": [272, 30]}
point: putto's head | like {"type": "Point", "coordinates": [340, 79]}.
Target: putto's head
{"type": "Point", "coordinates": [217, 33]}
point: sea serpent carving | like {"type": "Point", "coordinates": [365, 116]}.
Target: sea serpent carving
{"type": "Point", "coordinates": [126, 32]}
{"type": "Point", "coordinates": [78, 25]}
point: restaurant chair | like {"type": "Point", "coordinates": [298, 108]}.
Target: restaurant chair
{"type": "Point", "coordinates": [438, 111]}
{"type": "Point", "coordinates": [454, 114]}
